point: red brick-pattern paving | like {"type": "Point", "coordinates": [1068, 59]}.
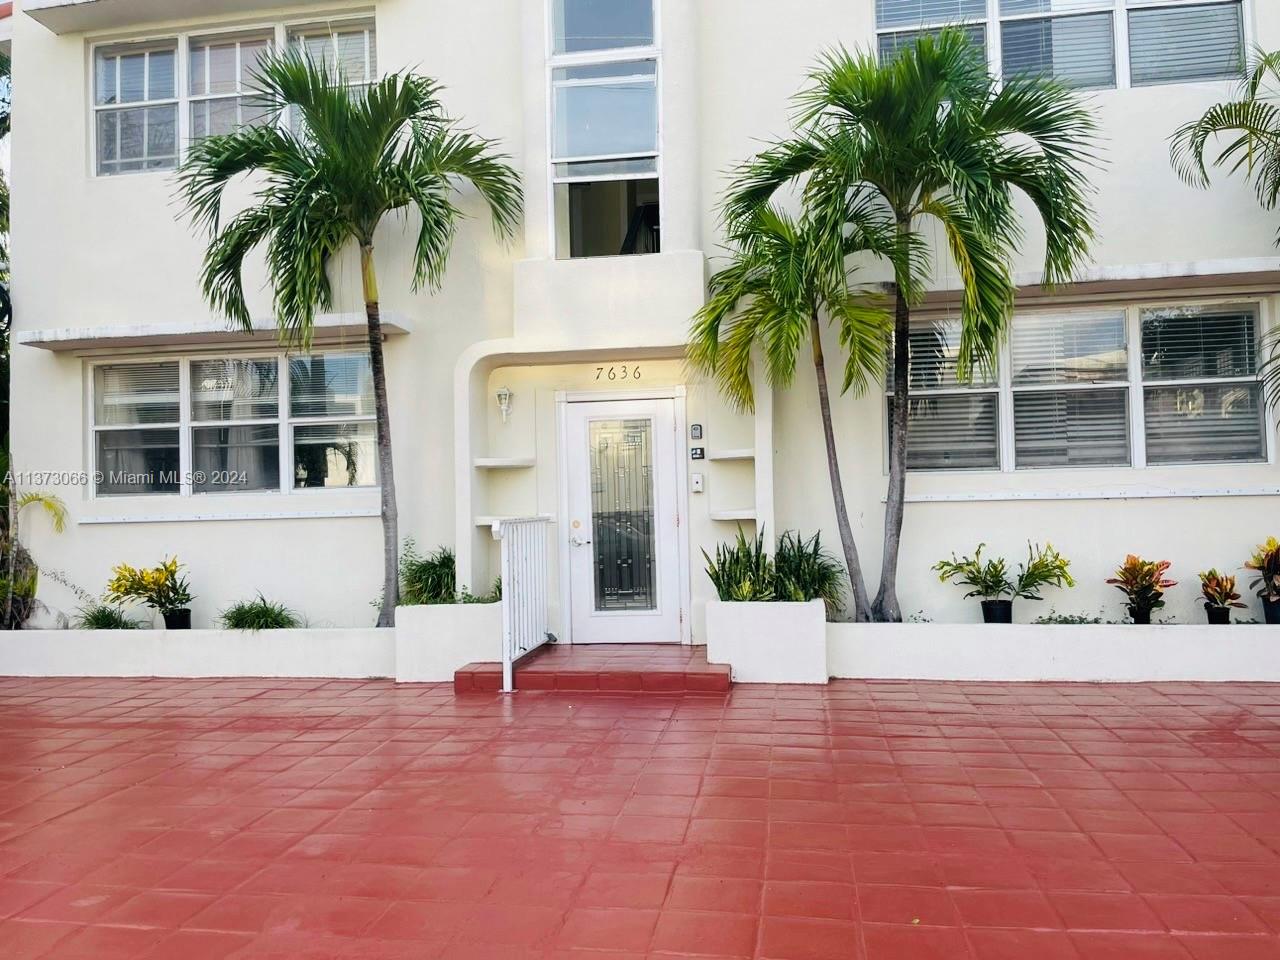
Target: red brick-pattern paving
{"type": "Point", "coordinates": [188, 820]}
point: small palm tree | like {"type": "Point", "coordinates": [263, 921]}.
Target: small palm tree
{"type": "Point", "coordinates": [1242, 136]}
{"type": "Point", "coordinates": [786, 279]}
{"type": "Point", "coordinates": [357, 156]}
{"type": "Point", "coordinates": [932, 137]}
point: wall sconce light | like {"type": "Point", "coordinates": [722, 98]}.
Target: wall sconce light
{"type": "Point", "coordinates": [504, 403]}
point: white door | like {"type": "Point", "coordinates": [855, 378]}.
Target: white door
{"type": "Point", "coordinates": [622, 537]}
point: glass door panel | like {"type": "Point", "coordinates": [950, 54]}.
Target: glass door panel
{"type": "Point", "coordinates": [622, 514]}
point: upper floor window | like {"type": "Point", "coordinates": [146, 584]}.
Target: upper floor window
{"type": "Point", "coordinates": [152, 98]}
{"type": "Point", "coordinates": [1076, 41]}
{"type": "Point", "coordinates": [604, 147]}
{"type": "Point", "coordinates": [233, 424]}
{"type": "Point", "coordinates": [1072, 390]}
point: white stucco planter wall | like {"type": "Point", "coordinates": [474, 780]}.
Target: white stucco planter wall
{"type": "Point", "coordinates": [769, 642]}
{"type": "Point", "coordinates": [434, 640]}
{"type": "Point", "coordinates": [348, 653]}
{"type": "Point", "coordinates": [1122, 653]}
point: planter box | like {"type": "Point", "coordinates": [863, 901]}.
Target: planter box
{"type": "Point", "coordinates": [1120, 653]}
{"type": "Point", "coordinates": [353, 653]}
{"type": "Point", "coordinates": [769, 642]}
{"type": "Point", "coordinates": [434, 640]}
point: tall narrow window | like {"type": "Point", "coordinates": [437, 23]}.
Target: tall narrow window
{"type": "Point", "coordinates": [136, 107]}
{"type": "Point", "coordinates": [1070, 40]}
{"type": "Point", "coordinates": [136, 412]}
{"type": "Point", "coordinates": [1202, 398]}
{"type": "Point", "coordinates": [604, 151]}
{"type": "Point", "coordinates": [1070, 398]}
{"type": "Point", "coordinates": [1173, 44]}
{"type": "Point", "coordinates": [952, 425]}
{"type": "Point", "coordinates": [221, 70]}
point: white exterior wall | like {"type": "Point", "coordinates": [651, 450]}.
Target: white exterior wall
{"type": "Point", "coordinates": [92, 251]}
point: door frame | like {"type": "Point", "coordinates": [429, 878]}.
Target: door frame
{"type": "Point", "coordinates": [677, 395]}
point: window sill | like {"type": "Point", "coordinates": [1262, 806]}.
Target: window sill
{"type": "Point", "coordinates": [1100, 493]}
{"type": "Point", "coordinates": [202, 508]}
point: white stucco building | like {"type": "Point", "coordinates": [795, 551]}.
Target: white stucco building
{"type": "Point", "coordinates": [1126, 416]}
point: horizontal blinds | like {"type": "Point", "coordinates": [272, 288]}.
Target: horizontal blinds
{"type": "Point", "coordinates": [1205, 422]}
{"type": "Point", "coordinates": [1010, 8]}
{"type": "Point", "coordinates": [1071, 428]}
{"type": "Point", "coordinates": [952, 432]}
{"type": "Point", "coordinates": [891, 44]}
{"type": "Point", "coordinates": [1193, 343]}
{"type": "Point", "coordinates": [331, 385]}
{"type": "Point", "coordinates": [935, 354]}
{"type": "Point", "coordinates": [1172, 44]}
{"type": "Point", "coordinates": [135, 393]}
{"type": "Point", "coordinates": [906, 13]}
{"type": "Point", "coordinates": [1072, 348]}
{"type": "Point", "coordinates": [230, 389]}
{"type": "Point", "coordinates": [1079, 51]}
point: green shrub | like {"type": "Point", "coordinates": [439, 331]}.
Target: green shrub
{"type": "Point", "coordinates": [259, 614]}
{"type": "Point", "coordinates": [991, 580]}
{"type": "Point", "coordinates": [104, 616]}
{"type": "Point", "coordinates": [742, 571]}
{"type": "Point", "coordinates": [1067, 619]}
{"type": "Point", "coordinates": [803, 571]}
{"type": "Point", "coordinates": [493, 596]}
{"type": "Point", "coordinates": [429, 579]}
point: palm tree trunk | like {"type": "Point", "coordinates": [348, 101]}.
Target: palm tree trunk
{"type": "Point", "coordinates": [861, 610]}
{"type": "Point", "coordinates": [886, 607]}
{"type": "Point", "coordinates": [386, 474]}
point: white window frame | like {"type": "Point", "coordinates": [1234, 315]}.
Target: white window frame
{"type": "Point", "coordinates": [99, 109]}
{"type": "Point", "coordinates": [1134, 384]}
{"type": "Point", "coordinates": [284, 419]}
{"type": "Point", "coordinates": [281, 31]}
{"type": "Point", "coordinates": [614, 55]}
{"type": "Point", "coordinates": [1119, 9]}
{"type": "Point", "coordinates": [237, 37]}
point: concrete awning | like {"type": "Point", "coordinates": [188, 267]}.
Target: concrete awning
{"type": "Point", "coordinates": [73, 16]}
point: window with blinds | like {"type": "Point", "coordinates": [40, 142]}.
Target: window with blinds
{"type": "Point", "coordinates": [952, 425]}
{"type": "Point", "coordinates": [1174, 44]}
{"type": "Point", "coordinates": [231, 424]}
{"type": "Point", "coordinates": [1070, 396]}
{"type": "Point", "coordinates": [1202, 401]}
{"type": "Point", "coordinates": [1072, 41]}
{"type": "Point", "coordinates": [1076, 41]}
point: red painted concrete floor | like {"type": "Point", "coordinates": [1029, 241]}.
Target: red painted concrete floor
{"type": "Point", "coordinates": [311, 819]}
{"type": "Point", "coordinates": [616, 667]}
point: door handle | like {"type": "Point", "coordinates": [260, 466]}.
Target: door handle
{"type": "Point", "coordinates": [578, 542]}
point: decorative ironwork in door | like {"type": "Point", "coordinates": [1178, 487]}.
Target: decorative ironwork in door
{"type": "Point", "coordinates": [622, 513]}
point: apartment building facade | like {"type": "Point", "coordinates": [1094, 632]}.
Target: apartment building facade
{"type": "Point", "coordinates": [546, 378]}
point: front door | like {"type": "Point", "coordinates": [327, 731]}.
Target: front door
{"type": "Point", "coordinates": [624, 570]}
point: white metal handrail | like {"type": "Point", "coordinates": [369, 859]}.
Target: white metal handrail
{"type": "Point", "coordinates": [525, 589]}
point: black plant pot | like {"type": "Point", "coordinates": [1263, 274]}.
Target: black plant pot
{"type": "Point", "coordinates": [1271, 610]}
{"type": "Point", "coordinates": [1139, 615]}
{"type": "Point", "coordinates": [997, 611]}
{"type": "Point", "coordinates": [177, 619]}
{"type": "Point", "coordinates": [1219, 616]}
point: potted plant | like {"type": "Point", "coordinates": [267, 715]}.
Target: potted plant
{"type": "Point", "coordinates": [1266, 563]}
{"type": "Point", "coordinates": [1220, 596]}
{"type": "Point", "coordinates": [161, 588]}
{"type": "Point", "coordinates": [990, 580]}
{"type": "Point", "coordinates": [1144, 583]}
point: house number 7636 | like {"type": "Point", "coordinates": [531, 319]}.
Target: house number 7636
{"type": "Point", "coordinates": [624, 371]}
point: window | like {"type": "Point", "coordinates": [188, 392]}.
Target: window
{"type": "Point", "coordinates": [1076, 41]}
{"type": "Point", "coordinates": [1170, 44]}
{"type": "Point", "coordinates": [136, 107]}
{"type": "Point", "coordinates": [1202, 399]}
{"type": "Point", "coordinates": [221, 70]}
{"type": "Point", "coordinates": [1070, 391]}
{"type": "Point", "coordinates": [951, 425]}
{"type": "Point", "coordinates": [1073, 391]}
{"type": "Point", "coordinates": [237, 417]}
{"type": "Point", "coordinates": [152, 98]}
{"type": "Point", "coordinates": [604, 150]}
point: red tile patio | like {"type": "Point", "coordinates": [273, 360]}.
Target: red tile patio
{"type": "Point", "coordinates": [189, 820]}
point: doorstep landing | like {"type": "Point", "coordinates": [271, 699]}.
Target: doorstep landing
{"type": "Point", "coordinates": [612, 668]}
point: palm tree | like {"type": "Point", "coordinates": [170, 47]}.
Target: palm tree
{"type": "Point", "coordinates": [785, 278]}
{"type": "Point", "coordinates": [932, 137]}
{"type": "Point", "coordinates": [357, 156]}
{"type": "Point", "coordinates": [1251, 125]}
